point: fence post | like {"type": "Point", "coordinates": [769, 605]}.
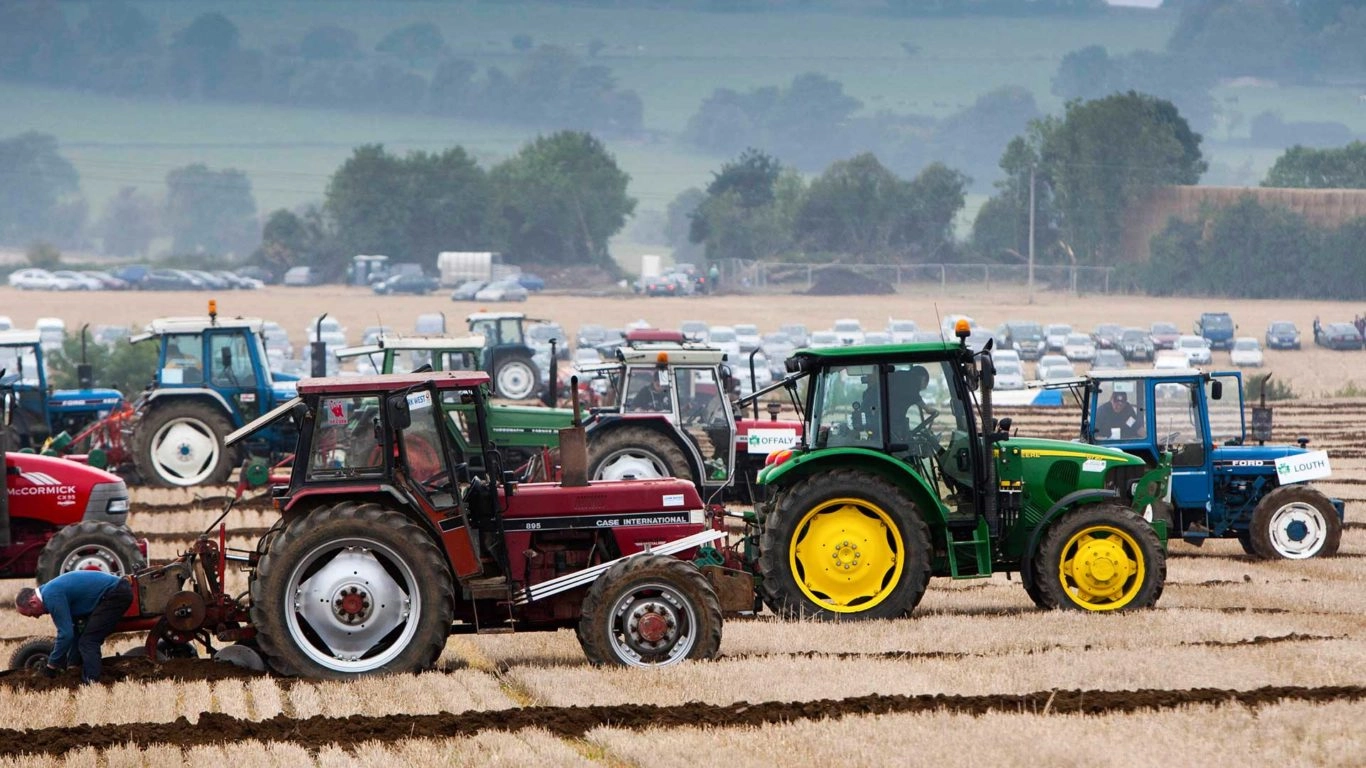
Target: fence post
{"type": "Point", "coordinates": [1108, 270]}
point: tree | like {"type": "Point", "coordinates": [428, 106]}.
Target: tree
{"type": "Point", "coordinates": [127, 367]}
{"type": "Point", "coordinates": [203, 54]}
{"type": "Point", "coordinates": [35, 41]}
{"type": "Point", "coordinates": [1001, 229]}
{"type": "Point", "coordinates": [560, 199]}
{"type": "Point", "coordinates": [856, 207]}
{"type": "Point", "coordinates": [805, 123]}
{"type": "Point", "coordinates": [129, 224]}
{"type": "Point", "coordinates": [44, 256]}
{"type": "Point", "coordinates": [750, 209]}
{"type": "Point", "coordinates": [330, 42]}
{"type": "Point", "coordinates": [1087, 73]}
{"type": "Point", "coordinates": [1105, 153]}
{"type": "Point", "coordinates": [678, 222]}
{"type": "Point", "coordinates": [1342, 168]}
{"type": "Point", "coordinates": [210, 212]}
{"type": "Point", "coordinates": [1238, 37]}
{"type": "Point", "coordinates": [414, 43]}
{"type": "Point", "coordinates": [935, 197]}
{"type": "Point", "coordinates": [39, 191]}
{"type": "Point", "coordinates": [118, 30]}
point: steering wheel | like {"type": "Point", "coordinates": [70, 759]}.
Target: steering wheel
{"type": "Point", "coordinates": [923, 433]}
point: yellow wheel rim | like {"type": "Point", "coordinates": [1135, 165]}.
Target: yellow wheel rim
{"type": "Point", "coordinates": [1102, 568]}
{"type": "Point", "coordinates": [847, 555]}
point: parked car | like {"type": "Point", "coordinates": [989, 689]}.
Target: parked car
{"type": "Point", "coordinates": [419, 285]}
{"type": "Point", "coordinates": [902, 331]}
{"type": "Point", "coordinates": [1024, 337]}
{"type": "Point", "coordinates": [253, 272]}
{"type": "Point", "coordinates": [1055, 336]}
{"type": "Point", "coordinates": [777, 347]}
{"type": "Point", "coordinates": [107, 281]}
{"type": "Point", "coordinates": [661, 285]}
{"type": "Point", "coordinates": [501, 290]}
{"type": "Point", "coordinates": [1196, 349]}
{"type": "Point", "coordinates": [51, 332]}
{"type": "Point", "coordinates": [848, 330]}
{"type": "Point", "coordinates": [1056, 372]}
{"type": "Point", "coordinates": [1009, 374]}
{"type": "Point", "coordinates": [1052, 359]}
{"type": "Point", "coordinates": [877, 337]}
{"type": "Point", "coordinates": [211, 281]}
{"type": "Point", "coordinates": [34, 279]}
{"type": "Point", "coordinates": [797, 333]}
{"type": "Point", "coordinates": [763, 373]}
{"type": "Point", "coordinates": [1164, 335]}
{"type": "Point", "coordinates": [171, 280]}
{"type": "Point", "coordinates": [823, 339]}
{"type": "Point", "coordinates": [302, 276]}
{"type": "Point", "coordinates": [1171, 360]}
{"type": "Point", "coordinates": [133, 274]}
{"type": "Point", "coordinates": [1217, 328]}
{"type": "Point", "coordinates": [1135, 344]}
{"type": "Point", "coordinates": [693, 329]}
{"type": "Point", "coordinates": [1108, 360]}
{"type": "Point", "coordinates": [6, 322]}
{"type": "Point", "coordinates": [1107, 335]}
{"type": "Point", "coordinates": [531, 282]}
{"type": "Point", "coordinates": [1078, 347]}
{"type": "Point", "coordinates": [110, 335]}
{"type": "Point", "coordinates": [466, 290]}
{"type": "Point", "coordinates": [1282, 334]}
{"type": "Point", "coordinates": [1246, 352]}
{"type": "Point", "coordinates": [1338, 336]}
{"type": "Point", "coordinates": [748, 336]}
{"type": "Point", "coordinates": [589, 336]}
{"type": "Point", "coordinates": [724, 338]}
{"type": "Point", "coordinates": [81, 281]}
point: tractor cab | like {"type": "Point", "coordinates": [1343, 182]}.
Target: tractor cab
{"type": "Point", "coordinates": [1218, 479]}
{"type": "Point", "coordinates": [506, 356]}
{"type": "Point", "coordinates": [403, 354]}
{"type": "Point", "coordinates": [40, 413]}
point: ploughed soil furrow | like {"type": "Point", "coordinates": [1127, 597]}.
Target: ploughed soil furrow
{"type": "Point", "coordinates": [573, 722]}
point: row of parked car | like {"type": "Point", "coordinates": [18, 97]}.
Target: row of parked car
{"type": "Point", "coordinates": [130, 277]}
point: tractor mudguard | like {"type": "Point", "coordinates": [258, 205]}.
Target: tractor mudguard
{"type": "Point", "coordinates": [799, 467]}
{"type": "Point", "coordinates": [1073, 499]}
{"type": "Point", "coordinates": [196, 392]}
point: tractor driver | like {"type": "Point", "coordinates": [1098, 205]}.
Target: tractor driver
{"type": "Point", "coordinates": [1117, 419]}
{"type": "Point", "coordinates": [97, 598]}
{"type": "Point", "coordinates": [907, 390]}
{"type": "Point", "coordinates": [651, 396]}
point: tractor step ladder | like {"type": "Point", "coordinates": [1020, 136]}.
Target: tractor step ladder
{"type": "Point", "coordinates": [974, 551]}
{"type": "Point", "coordinates": [489, 588]}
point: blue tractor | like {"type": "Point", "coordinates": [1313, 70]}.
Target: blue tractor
{"type": "Point", "coordinates": [1221, 486]}
{"type": "Point", "coordinates": [212, 377]}
{"type": "Point", "coordinates": [45, 420]}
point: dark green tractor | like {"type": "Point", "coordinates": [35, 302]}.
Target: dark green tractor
{"type": "Point", "coordinates": [903, 474]}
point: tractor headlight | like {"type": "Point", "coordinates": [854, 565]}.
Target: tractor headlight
{"type": "Point", "coordinates": [117, 506]}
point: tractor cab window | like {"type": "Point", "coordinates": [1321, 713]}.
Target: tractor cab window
{"type": "Point", "coordinates": [848, 407]}
{"type": "Point", "coordinates": [705, 419]}
{"type": "Point", "coordinates": [923, 413]}
{"type": "Point", "coordinates": [230, 360]}
{"type": "Point", "coordinates": [1120, 411]}
{"type": "Point", "coordinates": [458, 361]}
{"type": "Point", "coordinates": [421, 443]}
{"type": "Point", "coordinates": [344, 442]}
{"type": "Point", "coordinates": [1177, 415]}
{"type": "Point", "coordinates": [1225, 413]}
{"type": "Point", "coordinates": [184, 362]}
{"type": "Point", "coordinates": [648, 390]}
{"type": "Point", "coordinates": [22, 361]}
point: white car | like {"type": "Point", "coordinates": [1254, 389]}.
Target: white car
{"type": "Point", "coordinates": [1048, 361]}
{"type": "Point", "coordinates": [848, 330]}
{"type": "Point", "coordinates": [903, 331]}
{"type": "Point", "coordinates": [1056, 372]}
{"type": "Point", "coordinates": [34, 279]}
{"type": "Point", "coordinates": [723, 338]}
{"type": "Point", "coordinates": [51, 332]}
{"type": "Point", "coordinates": [1247, 351]}
{"type": "Point", "coordinates": [1009, 374]}
{"type": "Point", "coordinates": [823, 339]}
{"type": "Point", "coordinates": [763, 374]}
{"type": "Point", "coordinates": [501, 290]}
{"type": "Point", "coordinates": [1079, 348]}
{"type": "Point", "coordinates": [1171, 360]}
{"type": "Point", "coordinates": [877, 337]}
{"type": "Point", "coordinates": [1055, 336]}
{"type": "Point", "coordinates": [748, 336]}
{"type": "Point", "coordinates": [80, 281]}
{"type": "Point", "coordinates": [1196, 349]}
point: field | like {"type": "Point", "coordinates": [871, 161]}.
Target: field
{"type": "Point", "coordinates": [1239, 657]}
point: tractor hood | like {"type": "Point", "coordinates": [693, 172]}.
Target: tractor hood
{"type": "Point", "coordinates": [62, 492]}
{"type": "Point", "coordinates": [1272, 459]}
{"type": "Point", "coordinates": [1039, 448]}
{"type": "Point", "coordinates": [84, 399]}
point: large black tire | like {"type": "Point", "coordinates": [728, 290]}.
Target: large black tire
{"type": "Point", "coordinates": [515, 376]}
{"type": "Point", "coordinates": [1295, 522]}
{"type": "Point", "coordinates": [650, 611]}
{"type": "Point", "coordinates": [32, 653]}
{"type": "Point", "coordinates": [810, 556]}
{"type": "Point", "coordinates": [90, 545]}
{"type": "Point", "coordinates": [636, 453]}
{"type": "Point", "coordinates": [352, 589]}
{"type": "Point", "coordinates": [1100, 557]}
{"type": "Point", "coordinates": [180, 444]}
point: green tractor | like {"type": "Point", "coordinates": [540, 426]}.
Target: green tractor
{"type": "Point", "coordinates": [903, 474]}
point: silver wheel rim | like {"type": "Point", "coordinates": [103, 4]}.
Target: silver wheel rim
{"type": "Point", "coordinates": [94, 557]}
{"type": "Point", "coordinates": [631, 464]}
{"type": "Point", "coordinates": [515, 380]}
{"type": "Point", "coordinates": [354, 605]}
{"type": "Point", "coordinates": [662, 605]}
{"type": "Point", "coordinates": [1288, 521]}
{"type": "Point", "coordinates": [185, 451]}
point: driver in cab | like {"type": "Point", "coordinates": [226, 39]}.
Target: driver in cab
{"type": "Point", "coordinates": [651, 395]}
{"type": "Point", "coordinates": [1118, 419]}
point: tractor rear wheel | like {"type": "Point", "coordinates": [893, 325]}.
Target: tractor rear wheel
{"type": "Point", "coordinates": [515, 376]}
{"type": "Point", "coordinates": [650, 611]}
{"type": "Point", "coordinates": [1100, 557]}
{"type": "Point", "coordinates": [1295, 522]}
{"type": "Point", "coordinates": [636, 453]}
{"type": "Point", "coordinates": [90, 546]}
{"type": "Point", "coordinates": [352, 589]}
{"type": "Point", "coordinates": [31, 654]}
{"type": "Point", "coordinates": [844, 545]}
{"type": "Point", "coordinates": [180, 444]}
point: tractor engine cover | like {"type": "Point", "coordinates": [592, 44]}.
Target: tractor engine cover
{"type": "Point", "coordinates": [185, 611]}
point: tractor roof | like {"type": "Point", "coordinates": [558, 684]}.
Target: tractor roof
{"type": "Point", "coordinates": [671, 353]}
{"type": "Point", "coordinates": [19, 338]}
{"type": "Point", "coordinates": [199, 324]}
{"type": "Point", "coordinates": [339, 385]}
{"type": "Point", "coordinates": [472, 343]}
{"type": "Point", "coordinates": [873, 350]}
{"type": "Point", "coordinates": [1145, 373]}
{"type": "Point", "coordinates": [497, 316]}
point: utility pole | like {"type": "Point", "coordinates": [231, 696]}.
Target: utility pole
{"type": "Point", "coordinates": [1031, 234]}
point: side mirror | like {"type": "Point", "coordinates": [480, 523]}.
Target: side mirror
{"type": "Point", "coordinates": [396, 413]}
{"type": "Point", "coordinates": [1216, 390]}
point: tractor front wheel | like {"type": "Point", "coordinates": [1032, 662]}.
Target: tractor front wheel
{"type": "Point", "coordinates": [351, 589]}
{"type": "Point", "coordinates": [1295, 522]}
{"type": "Point", "coordinates": [1100, 557]}
{"type": "Point", "coordinates": [844, 545]}
{"type": "Point", "coordinates": [180, 444]}
{"type": "Point", "coordinates": [650, 611]}
{"type": "Point", "coordinates": [90, 546]}
{"type": "Point", "coordinates": [515, 377]}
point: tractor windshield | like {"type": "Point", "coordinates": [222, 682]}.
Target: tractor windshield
{"type": "Point", "coordinates": [344, 442]}
{"type": "Point", "coordinates": [1120, 411]}
{"type": "Point", "coordinates": [908, 408]}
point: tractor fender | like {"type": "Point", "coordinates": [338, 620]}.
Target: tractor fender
{"type": "Point", "coordinates": [1073, 499]}
{"type": "Point", "coordinates": [199, 393]}
{"type": "Point", "coordinates": [864, 459]}
{"type": "Point", "coordinates": [659, 425]}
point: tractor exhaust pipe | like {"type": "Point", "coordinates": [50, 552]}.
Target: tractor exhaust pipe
{"type": "Point", "coordinates": [574, 446]}
{"type": "Point", "coordinates": [989, 437]}
{"type": "Point", "coordinates": [552, 395]}
{"type": "Point", "coordinates": [318, 350]}
{"type": "Point", "coordinates": [85, 373]}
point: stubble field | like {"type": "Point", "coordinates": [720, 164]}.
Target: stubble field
{"type": "Point", "coordinates": [1240, 659]}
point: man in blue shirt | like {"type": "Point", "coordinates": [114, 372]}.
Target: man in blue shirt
{"type": "Point", "coordinates": [97, 598]}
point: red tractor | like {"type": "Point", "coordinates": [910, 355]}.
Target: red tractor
{"type": "Point", "coordinates": [58, 515]}
{"type": "Point", "coordinates": [390, 540]}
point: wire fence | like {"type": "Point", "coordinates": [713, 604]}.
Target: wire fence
{"type": "Point", "coordinates": [779, 276]}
